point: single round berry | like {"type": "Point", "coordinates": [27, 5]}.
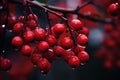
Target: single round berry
{"type": "Point", "coordinates": [67, 42]}
{"type": "Point", "coordinates": [83, 56]}
{"type": "Point", "coordinates": [67, 55]}
{"type": "Point", "coordinates": [82, 39]}
{"type": "Point", "coordinates": [26, 50]}
{"type": "Point", "coordinates": [50, 55]}
{"type": "Point", "coordinates": [29, 36]}
{"type": "Point", "coordinates": [11, 21]}
{"type": "Point", "coordinates": [58, 50]}
{"type": "Point", "coordinates": [51, 40]}
{"type": "Point", "coordinates": [17, 28]}
{"type": "Point", "coordinates": [40, 33]}
{"type": "Point", "coordinates": [44, 65]}
{"type": "Point", "coordinates": [32, 17]}
{"type": "Point", "coordinates": [59, 28]}
{"type": "Point", "coordinates": [113, 9]}
{"type": "Point", "coordinates": [76, 24]}
{"type": "Point", "coordinates": [17, 41]}
{"type": "Point", "coordinates": [5, 64]}
{"type": "Point", "coordinates": [43, 46]}
{"type": "Point", "coordinates": [74, 61]}
{"type": "Point", "coordinates": [31, 24]}
{"type": "Point", "coordinates": [35, 58]}
{"type": "Point", "coordinates": [85, 31]}
{"type": "Point", "coordinates": [79, 48]}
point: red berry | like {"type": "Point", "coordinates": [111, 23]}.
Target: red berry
{"type": "Point", "coordinates": [58, 50]}
{"type": "Point", "coordinates": [44, 65]}
{"type": "Point", "coordinates": [85, 31]}
{"type": "Point", "coordinates": [67, 42]}
{"type": "Point", "coordinates": [74, 61]}
{"type": "Point", "coordinates": [51, 40]}
{"type": "Point", "coordinates": [31, 24]}
{"type": "Point", "coordinates": [68, 54]}
{"type": "Point", "coordinates": [26, 50]}
{"type": "Point", "coordinates": [76, 24]}
{"type": "Point", "coordinates": [79, 48]}
{"type": "Point", "coordinates": [35, 58]}
{"type": "Point", "coordinates": [18, 27]}
{"type": "Point", "coordinates": [5, 64]}
{"type": "Point", "coordinates": [40, 33]}
{"type": "Point", "coordinates": [11, 21]}
{"type": "Point", "coordinates": [82, 39]}
{"type": "Point", "coordinates": [17, 41]}
{"type": "Point", "coordinates": [59, 28]}
{"type": "Point", "coordinates": [113, 9]}
{"type": "Point", "coordinates": [50, 55]}
{"type": "Point", "coordinates": [29, 36]}
{"type": "Point", "coordinates": [32, 16]}
{"type": "Point", "coordinates": [43, 46]}
{"type": "Point", "coordinates": [83, 56]}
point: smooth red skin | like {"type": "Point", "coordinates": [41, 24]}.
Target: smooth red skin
{"type": "Point", "coordinates": [32, 17]}
{"type": "Point", "coordinates": [31, 24]}
{"type": "Point", "coordinates": [74, 61]}
{"type": "Point", "coordinates": [58, 50]}
{"type": "Point", "coordinates": [68, 54]}
{"type": "Point", "coordinates": [26, 50]}
{"type": "Point", "coordinates": [82, 39]}
{"type": "Point", "coordinates": [44, 65]}
{"type": "Point", "coordinates": [59, 28]}
{"type": "Point", "coordinates": [79, 48]}
{"type": "Point", "coordinates": [84, 30]}
{"type": "Point", "coordinates": [43, 46]}
{"type": "Point", "coordinates": [50, 55]}
{"type": "Point", "coordinates": [35, 58]}
{"type": "Point", "coordinates": [18, 27]}
{"type": "Point", "coordinates": [76, 24]}
{"type": "Point", "coordinates": [17, 41]}
{"type": "Point", "coordinates": [113, 9]}
{"type": "Point", "coordinates": [5, 64]}
{"type": "Point", "coordinates": [67, 42]}
{"type": "Point", "coordinates": [29, 36]}
{"type": "Point", "coordinates": [51, 40]}
{"type": "Point", "coordinates": [83, 56]}
{"type": "Point", "coordinates": [40, 33]}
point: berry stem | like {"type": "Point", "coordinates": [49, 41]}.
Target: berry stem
{"type": "Point", "coordinates": [30, 9]}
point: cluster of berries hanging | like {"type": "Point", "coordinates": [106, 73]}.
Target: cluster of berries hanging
{"type": "Point", "coordinates": [111, 43]}
{"type": "Point", "coordinates": [66, 39]}
{"type": "Point", "coordinates": [44, 46]}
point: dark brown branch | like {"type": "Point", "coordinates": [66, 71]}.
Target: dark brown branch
{"type": "Point", "coordinates": [52, 10]}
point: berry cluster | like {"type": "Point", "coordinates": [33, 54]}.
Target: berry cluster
{"type": "Point", "coordinates": [45, 45]}
{"type": "Point", "coordinates": [111, 43]}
